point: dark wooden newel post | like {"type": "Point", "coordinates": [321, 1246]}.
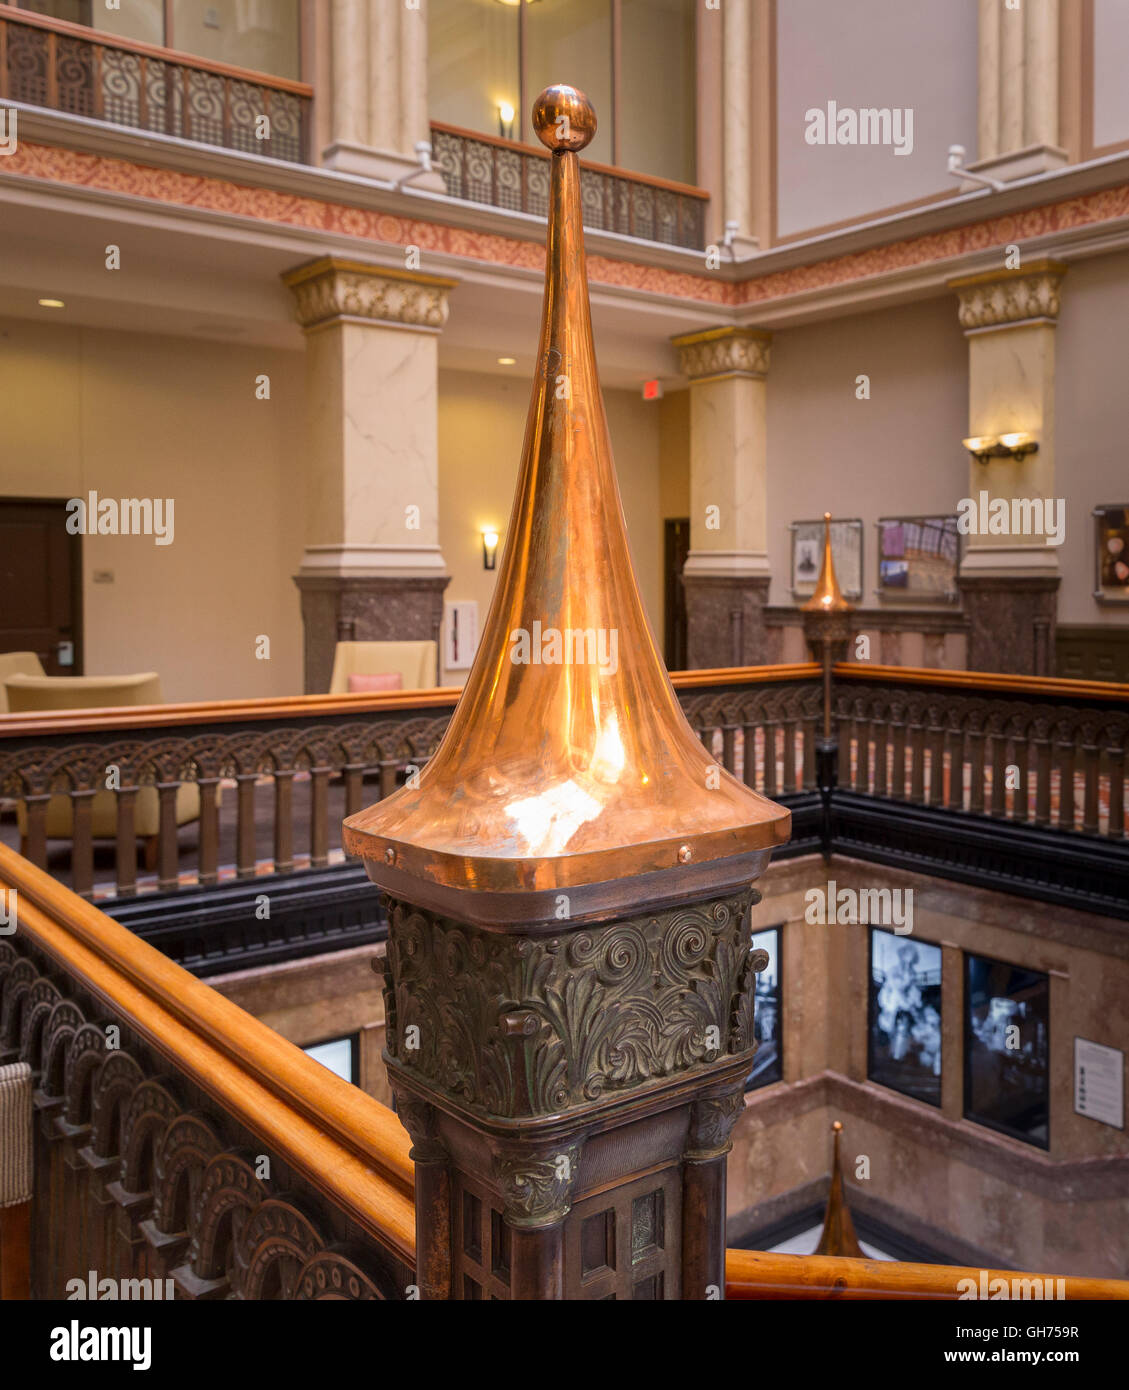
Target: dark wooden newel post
{"type": "Point", "coordinates": [569, 978]}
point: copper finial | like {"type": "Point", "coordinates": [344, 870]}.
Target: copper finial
{"type": "Point", "coordinates": [828, 597]}
{"type": "Point", "coordinates": [838, 1236]}
{"type": "Point", "coordinates": [568, 763]}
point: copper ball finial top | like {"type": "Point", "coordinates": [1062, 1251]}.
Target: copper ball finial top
{"type": "Point", "coordinates": [837, 1126]}
{"type": "Point", "coordinates": [827, 516]}
{"type": "Point", "coordinates": [564, 118]}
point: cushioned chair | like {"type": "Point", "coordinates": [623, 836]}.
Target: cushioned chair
{"type": "Point", "coordinates": [36, 694]}
{"type": "Point", "coordinates": [415, 661]}
{"type": "Point", "coordinates": [17, 664]}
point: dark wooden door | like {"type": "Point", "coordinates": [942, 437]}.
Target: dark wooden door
{"type": "Point", "coordinates": [675, 549]}
{"type": "Point", "coordinates": [40, 584]}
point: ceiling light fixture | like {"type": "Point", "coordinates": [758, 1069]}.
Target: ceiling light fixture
{"type": "Point", "coordinates": [51, 304]}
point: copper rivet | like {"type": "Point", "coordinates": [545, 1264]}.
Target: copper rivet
{"type": "Point", "coordinates": [685, 854]}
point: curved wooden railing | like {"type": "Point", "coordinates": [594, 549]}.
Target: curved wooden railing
{"type": "Point", "coordinates": [148, 1140]}
{"type": "Point", "coordinates": [165, 1098]}
{"type": "Point", "coordinates": [755, 1274]}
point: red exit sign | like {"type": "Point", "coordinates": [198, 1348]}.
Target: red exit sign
{"type": "Point", "coordinates": [652, 390]}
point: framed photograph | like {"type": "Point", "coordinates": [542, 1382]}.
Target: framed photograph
{"type": "Point", "coordinates": [768, 1064]}
{"type": "Point", "coordinates": [1007, 1049]}
{"type": "Point", "coordinates": [807, 556]}
{"type": "Point", "coordinates": [904, 1035]}
{"type": "Point", "coordinates": [1111, 541]}
{"type": "Point", "coordinates": [918, 557]}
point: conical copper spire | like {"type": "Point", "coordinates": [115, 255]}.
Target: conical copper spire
{"type": "Point", "coordinates": [828, 597]}
{"type": "Point", "coordinates": [838, 1236]}
{"type": "Point", "coordinates": [568, 761]}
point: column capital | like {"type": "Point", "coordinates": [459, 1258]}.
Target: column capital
{"type": "Point", "coordinates": [722, 352]}
{"type": "Point", "coordinates": [999, 299]}
{"type": "Point", "coordinates": [332, 290]}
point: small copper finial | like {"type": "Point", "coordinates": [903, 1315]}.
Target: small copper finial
{"type": "Point", "coordinates": [564, 118]}
{"type": "Point", "coordinates": [828, 597]}
{"type": "Point", "coordinates": [568, 763]}
{"type": "Point", "coordinates": [838, 1236]}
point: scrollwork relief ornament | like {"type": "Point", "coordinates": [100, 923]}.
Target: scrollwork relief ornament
{"type": "Point", "coordinates": [537, 1187]}
{"type": "Point", "coordinates": [520, 1025]}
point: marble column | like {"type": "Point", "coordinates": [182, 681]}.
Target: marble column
{"type": "Point", "coordinates": [1019, 119]}
{"type": "Point", "coordinates": [746, 87]}
{"type": "Point", "coordinates": [378, 66]}
{"type": "Point", "coordinates": [1009, 582]}
{"type": "Point", "coordinates": [372, 568]}
{"type": "Point", "coordinates": [726, 576]}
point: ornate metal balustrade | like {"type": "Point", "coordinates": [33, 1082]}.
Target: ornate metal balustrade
{"type": "Point", "coordinates": [67, 67]}
{"type": "Point", "coordinates": [1046, 753]}
{"type": "Point", "coordinates": [505, 174]}
{"type": "Point", "coordinates": [926, 759]}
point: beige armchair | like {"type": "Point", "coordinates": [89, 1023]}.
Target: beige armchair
{"type": "Point", "coordinates": [17, 664]}
{"type": "Point", "coordinates": [416, 662]}
{"type": "Point", "coordinates": [36, 694]}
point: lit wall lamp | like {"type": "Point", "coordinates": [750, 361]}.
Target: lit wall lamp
{"type": "Point", "coordinates": [1001, 446]}
{"type": "Point", "coordinates": [506, 120]}
{"type": "Point", "coordinates": [489, 548]}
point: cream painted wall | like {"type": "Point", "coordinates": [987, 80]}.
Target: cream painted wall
{"type": "Point", "coordinates": [1091, 451]}
{"type": "Point", "coordinates": [130, 415]}
{"type": "Point", "coordinates": [481, 428]}
{"type": "Point", "coordinates": [871, 54]}
{"type": "Point", "coordinates": [898, 453]}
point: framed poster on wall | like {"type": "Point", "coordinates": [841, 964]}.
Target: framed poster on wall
{"type": "Point", "coordinates": [807, 556]}
{"type": "Point", "coordinates": [904, 1033]}
{"type": "Point", "coordinates": [1111, 544]}
{"type": "Point", "coordinates": [1007, 1049]}
{"type": "Point", "coordinates": [918, 558]}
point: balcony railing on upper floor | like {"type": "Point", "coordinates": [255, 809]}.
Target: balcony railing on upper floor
{"type": "Point", "coordinates": [68, 67]}
{"type": "Point", "coordinates": [997, 780]}
{"type": "Point", "coordinates": [504, 174]}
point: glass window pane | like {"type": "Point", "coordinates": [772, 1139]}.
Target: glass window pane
{"type": "Point", "coordinates": [656, 136]}
{"type": "Point", "coordinates": [261, 35]}
{"type": "Point", "coordinates": [143, 20]}
{"type": "Point", "coordinates": [571, 41]}
{"type": "Point", "coordinates": [337, 1055]}
{"type": "Point", "coordinates": [472, 66]}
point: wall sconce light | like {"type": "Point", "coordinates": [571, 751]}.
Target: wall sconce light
{"type": "Point", "coordinates": [489, 548]}
{"type": "Point", "coordinates": [1015, 445]}
{"type": "Point", "coordinates": [506, 120]}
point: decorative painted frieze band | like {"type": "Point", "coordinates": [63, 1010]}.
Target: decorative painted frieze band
{"type": "Point", "coordinates": [718, 352]}
{"type": "Point", "coordinates": [512, 1026]}
{"type": "Point", "coordinates": [995, 299]}
{"type": "Point", "coordinates": [329, 289]}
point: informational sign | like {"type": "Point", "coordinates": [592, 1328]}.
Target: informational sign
{"type": "Point", "coordinates": [460, 635]}
{"type": "Point", "coordinates": [1099, 1082]}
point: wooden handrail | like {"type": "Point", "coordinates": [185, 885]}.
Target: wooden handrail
{"type": "Point", "coordinates": [313, 706]}
{"type": "Point", "coordinates": [342, 1140]}
{"type": "Point", "coordinates": [998, 681]}
{"type": "Point", "coordinates": [755, 1274]}
{"type": "Point", "coordinates": [688, 190]}
{"type": "Point", "coordinates": [104, 39]}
